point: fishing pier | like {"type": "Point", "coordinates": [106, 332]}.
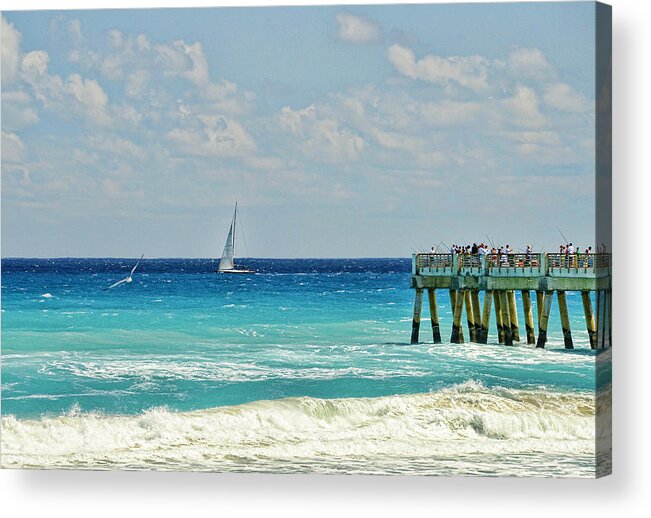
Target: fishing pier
{"type": "Point", "coordinates": [499, 276]}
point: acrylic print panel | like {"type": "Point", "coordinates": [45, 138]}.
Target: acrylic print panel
{"type": "Point", "coordinates": [335, 239]}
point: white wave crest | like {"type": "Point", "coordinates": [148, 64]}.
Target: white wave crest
{"type": "Point", "coordinates": [504, 431]}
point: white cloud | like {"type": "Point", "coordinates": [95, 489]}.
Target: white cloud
{"type": "Point", "coordinates": [565, 98]}
{"type": "Point", "coordinates": [216, 136]}
{"type": "Point", "coordinates": [13, 149]}
{"type": "Point", "coordinates": [76, 95]}
{"type": "Point", "coordinates": [18, 110]}
{"type": "Point", "coordinates": [90, 97]}
{"type": "Point", "coordinates": [116, 146]}
{"type": "Point", "coordinates": [451, 113]}
{"type": "Point", "coordinates": [529, 64]}
{"type": "Point", "coordinates": [116, 38]}
{"type": "Point", "coordinates": [522, 108]}
{"type": "Point", "coordinates": [398, 141]}
{"type": "Point", "coordinates": [357, 29]}
{"type": "Point", "coordinates": [268, 163]}
{"type": "Point", "coordinates": [137, 83]}
{"type": "Point", "coordinates": [10, 51]}
{"type": "Point", "coordinates": [322, 138]}
{"type": "Point", "coordinates": [198, 73]}
{"type": "Point", "coordinates": [467, 71]}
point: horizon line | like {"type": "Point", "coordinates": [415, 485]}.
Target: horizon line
{"type": "Point", "coordinates": [203, 258]}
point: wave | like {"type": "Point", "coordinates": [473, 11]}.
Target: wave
{"type": "Point", "coordinates": [466, 429]}
{"type": "Point", "coordinates": [192, 370]}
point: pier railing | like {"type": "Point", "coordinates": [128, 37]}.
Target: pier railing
{"type": "Point", "coordinates": [434, 264]}
{"type": "Point", "coordinates": [563, 265]}
{"type": "Point", "coordinates": [512, 265]}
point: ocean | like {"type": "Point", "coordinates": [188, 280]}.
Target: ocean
{"type": "Point", "coordinates": [305, 366]}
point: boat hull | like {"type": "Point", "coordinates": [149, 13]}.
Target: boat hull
{"type": "Point", "coordinates": [234, 271]}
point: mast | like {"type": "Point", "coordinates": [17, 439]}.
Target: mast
{"type": "Point", "coordinates": [234, 226]}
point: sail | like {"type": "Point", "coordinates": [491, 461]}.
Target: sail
{"type": "Point", "coordinates": [226, 262]}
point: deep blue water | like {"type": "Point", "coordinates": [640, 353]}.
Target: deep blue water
{"type": "Point", "coordinates": [183, 337]}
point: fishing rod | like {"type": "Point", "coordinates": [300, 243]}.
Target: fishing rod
{"type": "Point", "coordinates": [490, 241]}
{"type": "Point", "coordinates": [562, 235]}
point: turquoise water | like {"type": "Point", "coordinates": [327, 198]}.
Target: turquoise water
{"type": "Point", "coordinates": [305, 366]}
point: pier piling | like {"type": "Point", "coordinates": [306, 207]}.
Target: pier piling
{"type": "Point", "coordinates": [457, 331]}
{"type": "Point", "coordinates": [434, 315]}
{"type": "Point", "coordinates": [476, 312]}
{"type": "Point", "coordinates": [470, 315]}
{"type": "Point", "coordinates": [498, 317]}
{"type": "Point", "coordinates": [415, 325]}
{"type": "Point", "coordinates": [486, 317]}
{"type": "Point", "coordinates": [540, 302]}
{"type": "Point", "coordinates": [589, 318]}
{"type": "Point", "coordinates": [513, 316]}
{"type": "Point", "coordinates": [528, 317]}
{"type": "Point", "coordinates": [544, 319]}
{"type": "Point", "coordinates": [506, 319]}
{"type": "Point", "coordinates": [565, 319]}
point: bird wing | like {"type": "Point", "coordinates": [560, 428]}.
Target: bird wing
{"type": "Point", "coordinates": [136, 266]}
{"type": "Point", "coordinates": [114, 285]}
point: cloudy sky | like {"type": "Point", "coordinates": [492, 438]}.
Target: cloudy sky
{"type": "Point", "coordinates": [359, 131]}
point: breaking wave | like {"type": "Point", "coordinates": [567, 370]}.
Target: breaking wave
{"type": "Point", "coordinates": [465, 429]}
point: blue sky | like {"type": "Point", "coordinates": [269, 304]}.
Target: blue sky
{"type": "Point", "coordinates": [342, 131]}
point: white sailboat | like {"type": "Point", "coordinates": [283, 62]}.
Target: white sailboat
{"type": "Point", "coordinates": [226, 264]}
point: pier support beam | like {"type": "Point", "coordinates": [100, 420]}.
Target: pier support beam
{"type": "Point", "coordinates": [457, 331]}
{"type": "Point", "coordinates": [540, 302]}
{"type": "Point", "coordinates": [544, 319]}
{"type": "Point", "coordinates": [513, 316]}
{"type": "Point", "coordinates": [498, 316]}
{"type": "Point", "coordinates": [589, 318]}
{"type": "Point", "coordinates": [528, 317]}
{"type": "Point", "coordinates": [486, 316]}
{"type": "Point", "coordinates": [476, 312]}
{"type": "Point", "coordinates": [434, 315]}
{"type": "Point", "coordinates": [415, 324]}
{"type": "Point", "coordinates": [565, 319]}
{"type": "Point", "coordinates": [472, 330]}
{"type": "Point", "coordinates": [506, 320]}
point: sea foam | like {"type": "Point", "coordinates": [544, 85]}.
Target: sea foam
{"type": "Point", "coordinates": [404, 433]}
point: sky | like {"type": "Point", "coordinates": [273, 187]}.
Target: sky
{"type": "Point", "coordinates": [341, 131]}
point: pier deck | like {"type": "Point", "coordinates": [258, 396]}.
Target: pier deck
{"type": "Point", "coordinates": [499, 276]}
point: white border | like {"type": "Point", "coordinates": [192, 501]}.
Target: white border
{"type": "Point", "coordinates": [111, 494]}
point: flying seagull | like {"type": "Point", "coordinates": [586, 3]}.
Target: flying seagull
{"type": "Point", "coordinates": [128, 278]}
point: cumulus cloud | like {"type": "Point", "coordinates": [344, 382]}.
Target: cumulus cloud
{"type": "Point", "coordinates": [215, 136]}
{"type": "Point", "coordinates": [18, 110]}
{"type": "Point", "coordinates": [357, 29]}
{"type": "Point", "coordinates": [322, 138]}
{"type": "Point", "coordinates": [10, 51]}
{"type": "Point", "coordinates": [565, 98]}
{"type": "Point", "coordinates": [90, 97]}
{"type": "Point", "coordinates": [467, 71]}
{"type": "Point", "coordinates": [76, 95]}
{"type": "Point", "coordinates": [529, 64]}
{"type": "Point", "coordinates": [523, 108]}
{"type": "Point", "coordinates": [13, 149]}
